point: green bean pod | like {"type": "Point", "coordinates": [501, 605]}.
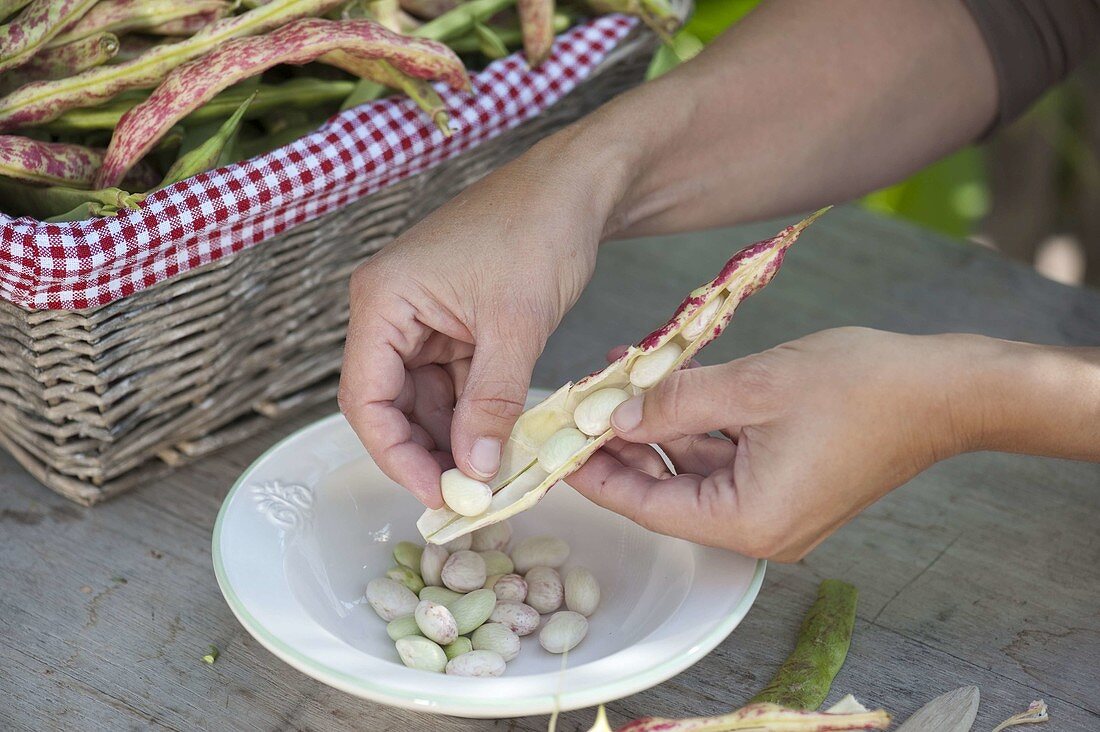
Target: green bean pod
{"type": "Point", "coordinates": [300, 93]}
{"type": "Point", "coordinates": [44, 101]}
{"type": "Point", "coordinates": [210, 153]}
{"type": "Point", "coordinates": [35, 26]}
{"type": "Point", "coordinates": [461, 20]}
{"type": "Point", "coordinates": [510, 36]}
{"type": "Point", "coordinates": [42, 202]}
{"type": "Point", "coordinates": [803, 681]}
{"type": "Point", "coordinates": [301, 41]}
{"type": "Point", "coordinates": [61, 61]}
{"type": "Point", "coordinates": [51, 163]}
{"type": "Point", "coordinates": [121, 16]}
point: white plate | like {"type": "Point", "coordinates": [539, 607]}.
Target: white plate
{"type": "Point", "coordinates": [313, 520]}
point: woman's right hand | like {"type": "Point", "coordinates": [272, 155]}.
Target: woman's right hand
{"type": "Point", "coordinates": [446, 322]}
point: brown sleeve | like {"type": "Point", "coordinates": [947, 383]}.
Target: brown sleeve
{"type": "Point", "coordinates": [1034, 45]}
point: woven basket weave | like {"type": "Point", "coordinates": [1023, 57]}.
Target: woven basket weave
{"type": "Point", "coordinates": [94, 402]}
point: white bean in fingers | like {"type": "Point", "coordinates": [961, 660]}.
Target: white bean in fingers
{"type": "Point", "coordinates": [465, 495]}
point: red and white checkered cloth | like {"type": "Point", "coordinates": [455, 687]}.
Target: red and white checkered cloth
{"type": "Point", "coordinates": [199, 220]}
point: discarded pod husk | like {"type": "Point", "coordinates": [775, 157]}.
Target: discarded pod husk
{"type": "Point", "coordinates": [44, 101]}
{"type": "Point", "coordinates": [51, 163]}
{"type": "Point", "coordinates": [536, 19]}
{"type": "Point", "coordinates": [765, 717]}
{"type": "Point", "coordinates": [1035, 713]}
{"type": "Point", "coordinates": [62, 61]}
{"type": "Point", "coordinates": [521, 483]}
{"type": "Point", "coordinates": [38, 23]}
{"type": "Point", "coordinates": [804, 679]}
{"type": "Point", "coordinates": [121, 16]}
{"type": "Point", "coordinates": [189, 86]}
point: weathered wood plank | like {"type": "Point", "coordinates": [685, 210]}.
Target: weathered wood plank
{"type": "Point", "coordinates": [983, 570]}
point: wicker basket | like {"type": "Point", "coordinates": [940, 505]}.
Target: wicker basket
{"type": "Point", "coordinates": [94, 402]}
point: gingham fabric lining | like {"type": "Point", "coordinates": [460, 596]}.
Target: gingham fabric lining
{"type": "Point", "coordinates": [90, 263]}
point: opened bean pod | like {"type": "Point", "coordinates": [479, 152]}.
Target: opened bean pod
{"type": "Point", "coordinates": [555, 437]}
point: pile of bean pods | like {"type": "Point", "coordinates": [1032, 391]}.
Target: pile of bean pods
{"type": "Point", "coordinates": [103, 101]}
{"type": "Point", "coordinates": [461, 608]}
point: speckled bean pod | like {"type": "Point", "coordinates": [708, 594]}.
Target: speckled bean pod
{"type": "Point", "coordinates": [190, 85]}
{"type": "Point", "coordinates": [536, 19]}
{"type": "Point", "coordinates": [35, 26]}
{"type": "Point", "coordinates": [46, 100]}
{"type": "Point", "coordinates": [120, 16]}
{"type": "Point", "coordinates": [52, 163]}
{"type": "Point", "coordinates": [62, 61]}
{"type": "Point", "coordinates": [419, 90]}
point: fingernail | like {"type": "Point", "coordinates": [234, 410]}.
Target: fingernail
{"type": "Point", "coordinates": [628, 415]}
{"type": "Point", "coordinates": [485, 457]}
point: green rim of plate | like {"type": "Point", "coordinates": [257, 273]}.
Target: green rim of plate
{"type": "Point", "coordinates": [427, 702]}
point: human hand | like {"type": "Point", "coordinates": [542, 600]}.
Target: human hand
{"type": "Point", "coordinates": [446, 322]}
{"type": "Point", "coordinates": [815, 431]}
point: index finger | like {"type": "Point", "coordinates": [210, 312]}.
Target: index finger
{"type": "Point", "coordinates": [372, 378]}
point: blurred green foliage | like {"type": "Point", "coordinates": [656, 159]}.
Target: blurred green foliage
{"type": "Point", "coordinates": [950, 196]}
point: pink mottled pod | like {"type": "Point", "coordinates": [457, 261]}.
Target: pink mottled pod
{"type": "Point", "coordinates": [122, 16]}
{"type": "Point", "coordinates": [61, 61]}
{"type": "Point", "coordinates": [53, 163]}
{"type": "Point", "coordinates": [36, 25]}
{"type": "Point", "coordinates": [44, 101]}
{"type": "Point", "coordinates": [381, 72]}
{"type": "Point", "coordinates": [536, 19]}
{"type": "Point", "coordinates": [191, 85]}
{"type": "Point", "coordinates": [190, 24]}
{"type": "Point", "coordinates": [522, 481]}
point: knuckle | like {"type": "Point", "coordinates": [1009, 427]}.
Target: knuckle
{"type": "Point", "coordinates": [501, 401]}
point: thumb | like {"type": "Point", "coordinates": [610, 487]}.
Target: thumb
{"type": "Point", "coordinates": [492, 399]}
{"type": "Point", "coordinates": [692, 402]}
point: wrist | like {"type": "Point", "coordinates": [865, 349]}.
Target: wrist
{"type": "Point", "coordinates": [1039, 400]}
{"type": "Point", "coordinates": [610, 157]}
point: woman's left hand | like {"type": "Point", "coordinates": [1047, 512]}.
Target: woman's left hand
{"type": "Point", "coordinates": [815, 431]}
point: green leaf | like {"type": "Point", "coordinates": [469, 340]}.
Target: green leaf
{"type": "Point", "coordinates": [684, 46]}
{"type": "Point", "coordinates": [209, 154]}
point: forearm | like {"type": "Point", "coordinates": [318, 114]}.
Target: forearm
{"type": "Point", "coordinates": [800, 105]}
{"type": "Point", "coordinates": [1038, 400]}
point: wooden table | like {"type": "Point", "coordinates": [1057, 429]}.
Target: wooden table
{"type": "Point", "coordinates": [984, 570]}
